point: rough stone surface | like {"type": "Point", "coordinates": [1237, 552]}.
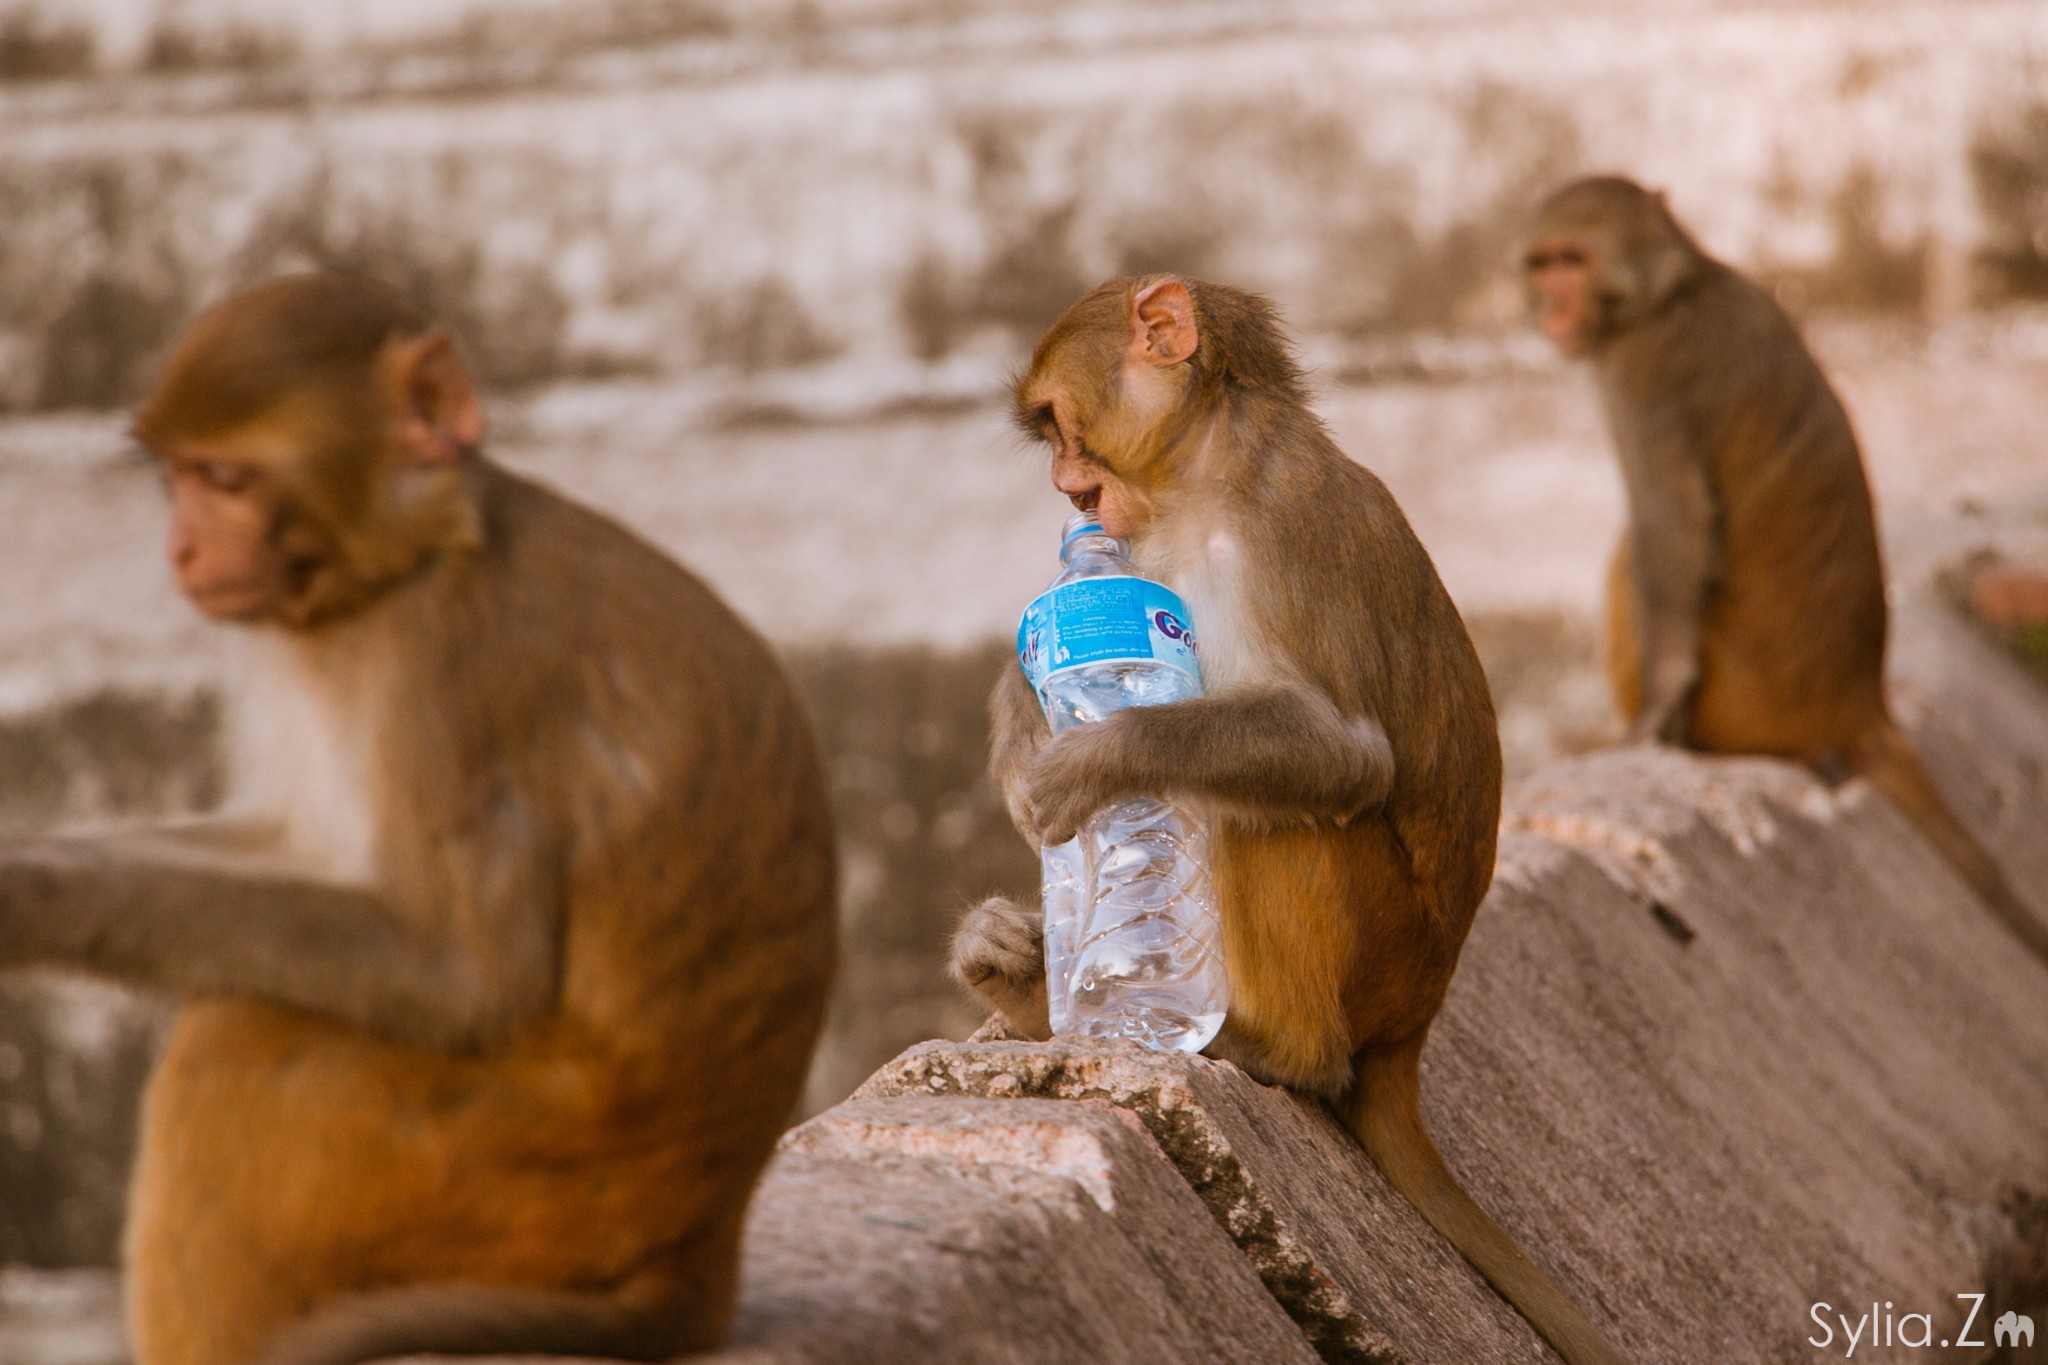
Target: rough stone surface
{"type": "Point", "coordinates": [1980, 723]}
{"type": "Point", "coordinates": [1361, 1273]}
{"type": "Point", "coordinates": [933, 1231]}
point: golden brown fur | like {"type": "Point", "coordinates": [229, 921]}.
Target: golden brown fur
{"type": "Point", "coordinates": [497, 1073]}
{"type": "Point", "coordinates": [1746, 604]}
{"type": "Point", "coordinates": [1344, 754]}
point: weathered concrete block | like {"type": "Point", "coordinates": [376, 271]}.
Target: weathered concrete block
{"type": "Point", "coordinates": [1777, 1055]}
{"type": "Point", "coordinates": [1361, 1273]}
{"type": "Point", "coordinates": [1980, 724]}
{"type": "Point", "coordinates": [934, 1231]}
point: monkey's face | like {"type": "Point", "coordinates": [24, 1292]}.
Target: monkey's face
{"type": "Point", "coordinates": [1091, 484]}
{"type": "Point", "coordinates": [1560, 274]}
{"type": "Point", "coordinates": [1106, 392]}
{"type": "Point", "coordinates": [1602, 255]}
{"type": "Point", "coordinates": [294, 541]}
{"type": "Point", "coordinates": [225, 548]}
{"type": "Point", "coordinates": [328, 494]}
{"type": "Point", "coordinates": [1082, 473]}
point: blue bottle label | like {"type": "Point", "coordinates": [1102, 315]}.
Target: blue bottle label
{"type": "Point", "coordinates": [1104, 620]}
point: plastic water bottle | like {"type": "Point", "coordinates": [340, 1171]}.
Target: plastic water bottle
{"type": "Point", "coordinates": [1133, 944]}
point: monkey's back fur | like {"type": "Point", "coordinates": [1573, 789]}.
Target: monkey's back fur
{"type": "Point", "coordinates": [1792, 634]}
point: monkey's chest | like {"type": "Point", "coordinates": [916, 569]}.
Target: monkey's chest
{"type": "Point", "coordinates": [1208, 577]}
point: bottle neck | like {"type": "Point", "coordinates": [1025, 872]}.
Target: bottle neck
{"type": "Point", "coordinates": [1083, 539]}
{"type": "Point", "coordinates": [1093, 545]}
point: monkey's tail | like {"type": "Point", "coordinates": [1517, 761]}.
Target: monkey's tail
{"type": "Point", "coordinates": [1883, 755]}
{"type": "Point", "coordinates": [1385, 1111]}
{"type": "Point", "coordinates": [472, 1320]}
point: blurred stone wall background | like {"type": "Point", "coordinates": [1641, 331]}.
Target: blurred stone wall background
{"type": "Point", "coordinates": [749, 277]}
{"type": "Point", "coordinates": [900, 191]}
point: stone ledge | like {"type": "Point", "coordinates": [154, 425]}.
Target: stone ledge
{"type": "Point", "coordinates": [1373, 1284]}
{"type": "Point", "coordinates": [1725, 1044]}
{"type": "Point", "coordinates": [955, 1230]}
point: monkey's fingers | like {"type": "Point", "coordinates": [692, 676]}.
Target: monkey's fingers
{"type": "Point", "coordinates": [1670, 684]}
{"type": "Point", "coordinates": [1017, 801]}
{"type": "Point", "coordinates": [1677, 726]}
{"type": "Point", "coordinates": [1070, 780]}
{"type": "Point", "coordinates": [1059, 826]}
{"type": "Point", "coordinates": [1643, 730]}
{"type": "Point", "coordinates": [1657, 723]}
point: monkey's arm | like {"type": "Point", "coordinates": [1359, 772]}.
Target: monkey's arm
{"type": "Point", "coordinates": [1017, 731]}
{"type": "Point", "coordinates": [1674, 529]}
{"type": "Point", "coordinates": [1269, 754]}
{"type": "Point", "coordinates": [177, 915]}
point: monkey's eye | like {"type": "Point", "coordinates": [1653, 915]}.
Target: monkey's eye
{"type": "Point", "coordinates": [1570, 257]}
{"type": "Point", "coordinates": [1043, 421]}
{"type": "Point", "coordinates": [221, 477]}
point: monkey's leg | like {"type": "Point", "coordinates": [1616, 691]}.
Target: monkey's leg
{"type": "Point", "coordinates": [1254, 1056]}
{"type": "Point", "coordinates": [999, 954]}
{"type": "Point", "coordinates": [1624, 648]}
{"type": "Point", "coordinates": [475, 1320]}
{"type": "Point", "coordinates": [1674, 559]}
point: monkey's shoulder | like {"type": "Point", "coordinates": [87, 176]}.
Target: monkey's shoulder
{"type": "Point", "coordinates": [1347, 588]}
{"type": "Point", "coordinates": [1725, 373]}
{"type": "Point", "coordinates": [1358, 524]}
{"type": "Point", "coordinates": [578, 636]}
{"type": "Point", "coordinates": [1722, 329]}
{"type": "Point", "coordinates": [633, 593]}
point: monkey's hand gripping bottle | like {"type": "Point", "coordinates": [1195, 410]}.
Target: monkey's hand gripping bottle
{"type": "Point", "coordinates": [1133, 943]}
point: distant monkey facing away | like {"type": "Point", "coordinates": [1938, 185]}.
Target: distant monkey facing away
{"type": "Point", "coordinates": [492, 1027]}
{"type": "Point", "coordinates": [1345, 757]}
{"type": "Point", "coordinates": [1745, 605]}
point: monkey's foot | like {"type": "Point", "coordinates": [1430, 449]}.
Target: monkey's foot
{"type": "Point", "coordinates": [999, 954]}
{"type": "Point", "coordinates": [996, 1029]}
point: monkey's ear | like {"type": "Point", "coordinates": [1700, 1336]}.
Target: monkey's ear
{"type": "Point", "coordinates": [1163, 324]}
{"type": "Point", "coordinates": [440, 416]}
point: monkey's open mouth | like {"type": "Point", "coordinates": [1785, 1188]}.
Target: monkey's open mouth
{"type": "Point", "coordinates": [1085, 501]}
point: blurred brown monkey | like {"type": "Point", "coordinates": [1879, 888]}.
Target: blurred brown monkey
{"type": "Point", "coordinates": [1745, 605]}
{"type": "Point", "coordinates": [1345, 756]}
{"type": "Point", "coordinates": [492, 1032]}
